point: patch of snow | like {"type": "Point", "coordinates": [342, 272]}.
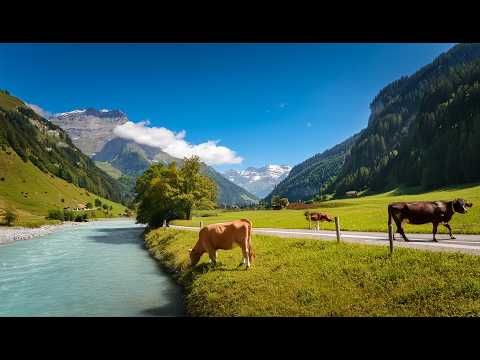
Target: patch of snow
{"type": "Point", "coordinates": [71, 112]}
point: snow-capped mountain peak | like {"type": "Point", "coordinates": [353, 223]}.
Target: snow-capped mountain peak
{"type": "Point", "coordinates": [259, 181]}
{"type": "Point", "coordinates": [70, 112]}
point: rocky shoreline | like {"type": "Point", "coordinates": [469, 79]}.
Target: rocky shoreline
{"type": "Point", "coordinates": [12, 234]}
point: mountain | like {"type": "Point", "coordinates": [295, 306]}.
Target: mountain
{"type": "Point", "coordinates": [92, 132]}
{"type": "Point", "coordinates": [90, 129]}
{"type": "Point", "coordinates": [132, 159]}
{"type": "Point", "coordinates": [424, 129]}
{"type": "Point", "coordinates": [307, 178]}
{"type": "Point", "coordinates": [258, 181]}
{"type": "Point", "coordinates": [39, 159]}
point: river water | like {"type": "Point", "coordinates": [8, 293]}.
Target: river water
{"type": "Point", "coordinates": [97, 269]}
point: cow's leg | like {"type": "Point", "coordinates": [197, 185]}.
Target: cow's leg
{"type": "Point", "coordinates": [398, 222]}
{"type": "Point", "coordinates": [449, 230]}
{"type": "Point", "coordinates": [435, 226]}
{"type": "Point", "coordinates": [246, 257]}
{"type": "Point", "coordinates": [213, 256]}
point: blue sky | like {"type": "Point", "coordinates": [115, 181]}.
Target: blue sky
{"type": "Point", "coordinates": [269, 103]}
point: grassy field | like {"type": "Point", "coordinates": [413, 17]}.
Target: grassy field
{"type": "Point", "coordinates": [301, 277]}
{"type": "Point", "coordinates": [367, 213]}
{"type": "Point", "coordinates": [31, 193]}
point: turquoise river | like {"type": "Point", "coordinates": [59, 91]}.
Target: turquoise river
{"type": "Point", "coordinates": [96, 269]}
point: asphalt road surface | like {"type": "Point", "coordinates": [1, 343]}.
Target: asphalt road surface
{"type": "Point", "coordinates": [463, 243]}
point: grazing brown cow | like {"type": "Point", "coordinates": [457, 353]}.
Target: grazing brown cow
{"type": "Point", "coordinates": [423, 212]}
{"type": "Point", "coordinates": [224, 236]}
{"type": "Point", "coordinates": [317, 217]}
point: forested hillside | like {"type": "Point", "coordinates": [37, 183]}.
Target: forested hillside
{"type": "Point", "coordinates": [50, 149]}
{"type": "Point", "coordinates": [424, 129]}
{"type": "Point", "coordinates": [318, 172]}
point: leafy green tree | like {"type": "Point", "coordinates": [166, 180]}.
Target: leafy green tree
{"type": "Point", "coordinates": [165, 193]}
{"type": "Point", "coordinates": [98, 203]}
{"type": "Point", "coordinates": [89, 205]}
{"type": "Point", "coordinates": [284, 202]}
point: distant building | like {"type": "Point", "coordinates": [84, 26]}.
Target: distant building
{"type": "Point", "coordinates": [352, 193]}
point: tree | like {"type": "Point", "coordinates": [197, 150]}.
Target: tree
{"type": "Point", "coordinates": [165, 193]}
{"type": "Point", "coordinates": [98, 203]}
{"type": "Point", "coordinates": [284, 202]}
{"type": "Point", "coordinates": [10, 217]}
{"type": "Point", "coordinates": [89, 205]}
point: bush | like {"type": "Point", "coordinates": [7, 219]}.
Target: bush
{"type": "Point", "coordinates": [69, 216]}
{"type": "Point", "coordinates": [81, 218]}
{"type": "Point", "coordinates": [98, 203]}
{"type": "Point", "coordinates": [89, 205]}
{"type": "Point", "coordinates": [55, 214]}
{"type": "Point", "coordinates": [10, 217]}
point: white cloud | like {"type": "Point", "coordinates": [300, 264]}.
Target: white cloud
{"type": "Point", "coordinates": [175, 144]}
{"type": "Point", "coordinates": [44, 113]}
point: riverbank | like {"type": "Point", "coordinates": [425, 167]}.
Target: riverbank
{"type": "Point", "coordinates": [302, 277]}
{"type": "Point", "coordinates": [12, 234]}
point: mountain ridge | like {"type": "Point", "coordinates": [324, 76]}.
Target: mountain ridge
{"type": "Point", "coordinates": [131, 158]}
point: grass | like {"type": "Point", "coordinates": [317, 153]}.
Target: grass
{"type": "Point", "coordinates": [31, 193]}
{"type": "Point", "coordinates": [109, 169]}
{"type": "Point", "coordinates": [301, 277]}
{"type": "Point", "coordinates": [368, 213]}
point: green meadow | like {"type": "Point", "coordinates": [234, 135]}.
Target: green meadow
{"type": "Point", "coordinates": [31, 193]}
{"type": "Point", "coordinates": [365, 213]}
{"type": "Point", "coordinates": [303, 277]}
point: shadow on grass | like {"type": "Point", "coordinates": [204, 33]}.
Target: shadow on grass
{"type": "Point", "coordinates": [207, 267]}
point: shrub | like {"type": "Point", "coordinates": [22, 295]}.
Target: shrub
{"type": "Point", "coordinates": [89, 205]}
{"type": "Point", "coordinates": [69, 216]}
{"type": "Point", "coordinates": [10, 217]}
{"type": "Point", "coordinates": [81, 217]}
{"type": "Point", "coordinates": [55, 214]}
{"type": "Point", "coordinates": [98, 203]}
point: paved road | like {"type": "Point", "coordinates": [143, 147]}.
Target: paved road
{"type": "Point", "coordinates": [463, 243]}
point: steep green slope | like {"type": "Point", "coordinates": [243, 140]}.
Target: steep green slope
{"type": "Point", "coordinates": [307, 178]}
{"type": "Point", "coordinates": [424, 129]}
{"type": "Point", "coordinates": [50, 149]}
{"type": "Point", "coordinates": [31, 192]}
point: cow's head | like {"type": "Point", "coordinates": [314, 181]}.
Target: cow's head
{"type": "Point", "coordinates": [194, 256]}
{"type": "Point", "coordinates": [460, 206]}
{"type": "Point", "coordinates": [307, 215]}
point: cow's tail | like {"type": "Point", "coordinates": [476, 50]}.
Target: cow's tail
{"type": "Point", "coordinates": [249, 242]}
{"type": "Point", "coordinates": [389, 215]}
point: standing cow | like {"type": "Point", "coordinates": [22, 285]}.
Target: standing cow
{"type": "Point", "coordinates": [317, 217]}
{"type": "Point", "coordinates": [423, 212]}
{"type": "Point", "coordinates": [224, 236]}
